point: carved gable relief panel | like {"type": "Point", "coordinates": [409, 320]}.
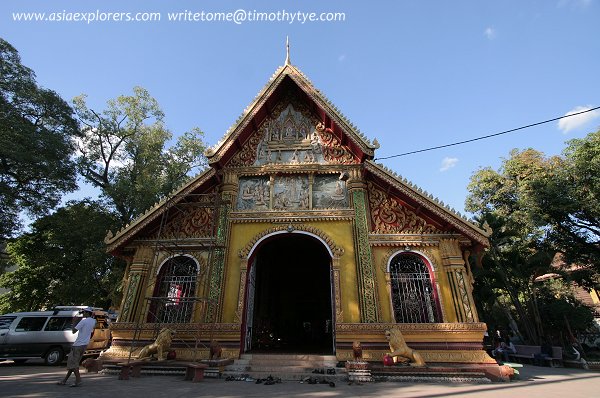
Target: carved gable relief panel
{"type": "Point", "coordinates": [292, 136]}
{"type": "Point", "coordinates": [390, 216]}
{"type": "Point", "coordinates": [254, 193]}
{"type": "Point", "coordinates": [329, 192]}
{"type": "Point", "coordinates": [190, 222]}
{"type": "Point", "coordinates": [291, 193]}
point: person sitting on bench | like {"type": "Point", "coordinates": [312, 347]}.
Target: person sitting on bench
{"type": "Point", "coordinates": [504, 349]}
{"type": "Point", "coordinates": [545, 353]}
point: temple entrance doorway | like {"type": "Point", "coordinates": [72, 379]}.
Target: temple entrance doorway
{"type": "Point", "coordinates": [289, 302]}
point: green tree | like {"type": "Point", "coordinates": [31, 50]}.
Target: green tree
{"type": "Point", "coordinates": [537, 206]}
{"type": "Point", "coordinates": [566, 199]}
{"type": "Point", "coordinates": [123, 152]}
{"type": "Point", "coordinates": [519, 251]}
{"type": "Point", "coordinates": [63, 261]}
{"type": "Point", "coordinates": [36, 131]}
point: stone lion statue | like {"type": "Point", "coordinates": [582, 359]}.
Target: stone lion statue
{"type": "Point", "coordinates": [400, 350]}
{"type": "Point", "coordinates": [160, 346]}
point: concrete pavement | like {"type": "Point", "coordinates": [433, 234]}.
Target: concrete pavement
{"type": "Point", "coordinates": [37, 380]}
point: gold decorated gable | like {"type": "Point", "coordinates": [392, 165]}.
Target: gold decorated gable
{"type": "Point", "coordinates": [389, 215]}
{"type": "Point", "coordinates": [191, 222]}
{"type": "Point", "coordinates": [292, 135]}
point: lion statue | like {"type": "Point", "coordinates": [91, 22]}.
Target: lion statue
{"type": "Point", "coordinates": [160, 346]}
{"type": "Point", "coordinates": [357, 352]}
{"type": "Point", "coordinates": [400, 351]}
{"type": "Point", "coordinates": [215, 350]}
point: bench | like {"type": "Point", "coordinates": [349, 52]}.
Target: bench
{"type": "Point", "coordinates": [130, 369]}
{"type": "Point", "coordinates": [529, 352]}
{"type": "Point", "coordinates": [195, 371]}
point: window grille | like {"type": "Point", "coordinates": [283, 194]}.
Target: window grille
{"type": "Point", "coordinates": [173, 299]}
{"type": "Point", "coordinates": [413, 297]}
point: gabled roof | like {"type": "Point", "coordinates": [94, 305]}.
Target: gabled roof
{"type": "Point", "coordinates": [430, 205]}
{"type": "Point", "coordinates": [286, 78]}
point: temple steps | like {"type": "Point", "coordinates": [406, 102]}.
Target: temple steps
{"type": "Point", "coordinates": [288, 367]}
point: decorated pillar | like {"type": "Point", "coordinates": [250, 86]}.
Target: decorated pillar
{"type": "Point", "coordinates": [242, 295]}
{"type": "Point", "coordinates": [217, 260]}
{"type": "Point", "coordinates": [335, 274]}
{"type": "Point", "coordinates": [459, 280]}
{"type": "Point", "coordinates": [367, 286]}
{"type": "Point", "coordinates": [133, 299]}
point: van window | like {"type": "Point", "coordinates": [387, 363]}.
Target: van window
{"type": "Point", "coordinates": [59, 323]}
{"type": "Point", "coordinates": [5, 321]}
{"type": "Point", "coordinates": [31, 324]}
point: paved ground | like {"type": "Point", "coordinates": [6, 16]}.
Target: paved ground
{"type": "Point", "coordinates": [36, 380]}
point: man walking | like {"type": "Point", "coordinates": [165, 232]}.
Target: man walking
{"type": "Point", "coordinates": [85, 327]}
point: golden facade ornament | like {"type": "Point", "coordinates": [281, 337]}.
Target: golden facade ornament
{"type": "Point", "coordinates": [292, 136]}
{"type": "Point", "coordinates": [336, 250]}
{"type": "Point", "coordinates": [190, 222]}
{"type": "Point", "coordinates": [389, 215]}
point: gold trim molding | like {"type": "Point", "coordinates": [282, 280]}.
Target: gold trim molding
{"type": "Point", "coordinates": [335, 249]}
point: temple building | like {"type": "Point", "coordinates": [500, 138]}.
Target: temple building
{"type": "Point", "coordinates": [295, 241]}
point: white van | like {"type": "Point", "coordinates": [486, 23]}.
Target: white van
{"type": "Point", "coordinates": [48, 334]}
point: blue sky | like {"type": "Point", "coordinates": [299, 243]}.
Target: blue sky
{"type": "Point", "coordinates": [413, 74]}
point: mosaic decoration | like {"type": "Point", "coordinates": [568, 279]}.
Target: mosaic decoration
{"type": "Point", "coordinates": [461, 296]}
{"type": "Point", "coordinates": [389, 215]}
{"type": "Point", "coordinates": [254, 193]}
{"type": "Point", "coordinates": [464, 295]}
{"type": "Point", "coordinates": [132, 288]}
{"type": "Point", "coordinates": [366, 280]}
{"type": "Point", "coordinates": [329, 192]}
{"type": "Point", "coordinates": [292, 136]}
{"type": "Point", "coordinates": [291, 193]}
{"type": "Point", "coordinates": [218, 263]}
{"type": "Point", "coordinates": [190, 222]}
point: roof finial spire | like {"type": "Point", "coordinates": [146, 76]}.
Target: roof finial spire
{"type": "Point", "coordinates": [287, 50]}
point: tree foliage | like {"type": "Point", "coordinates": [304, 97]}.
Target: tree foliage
{"type": "Point", "coordinates": [63, 261]}
{"type": "Point", "coordinates": [123, 152]}
{"type": "Point", "coordinates": [538, 206]}
{"type": "Point", "coordinates": [36, 128]}
{"type": "Point", "coordinates": [566, 199]}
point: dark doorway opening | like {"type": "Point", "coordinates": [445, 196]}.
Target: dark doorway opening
{"type": "Point", "coordinates": [292, 301]}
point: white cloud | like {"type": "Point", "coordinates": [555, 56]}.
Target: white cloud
{"type": "Point", "coordinates": [448, 163]}
{"type": "Point", "coordinates": [571, 123]}
{"type": "Point", "coordinates": [490, 33]}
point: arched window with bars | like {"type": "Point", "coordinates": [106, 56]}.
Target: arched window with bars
{"type": "Point", "coordinates": [172, 301]}
{"type": "Point", "coordinates": [414, 299]}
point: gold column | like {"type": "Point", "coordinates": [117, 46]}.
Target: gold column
{"type": "Point", "coordinates": [459, 281]}
{"type": "Point", "coordinates": [367, 286]}
{"type": "Point", "coordinates": [242, 295]}
{"type": "Point", "coordinates": [335, 266]}
{"type": "Point", "coordinates": [228, 195]}
{"type": "Point", "coordinates": [133, 298]}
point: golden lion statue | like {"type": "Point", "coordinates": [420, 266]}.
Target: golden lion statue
{"type": "Point", "coordinates": [400, 349]}
{"type": "Point", "coordinates": [160, 346]}
{"type": "Point", "coordinates": [215, 350]}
